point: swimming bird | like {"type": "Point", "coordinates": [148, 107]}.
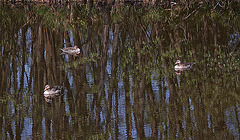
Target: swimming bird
{"type": "Point", "coordinates": [183, 66]}
{"type": "Point", "coordinates": [52, 90]}
{"type": "Point", "coordinates": [71, 50]}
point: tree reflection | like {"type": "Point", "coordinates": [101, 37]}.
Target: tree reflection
{"type": "Point", "coordinates": [123, 84]}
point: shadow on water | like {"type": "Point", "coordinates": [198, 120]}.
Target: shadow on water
{"type": "Point", "coordinates": [122, 84]}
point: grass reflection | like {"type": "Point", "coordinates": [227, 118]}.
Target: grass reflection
{"type": "Point", "coordinates": [123, 84]}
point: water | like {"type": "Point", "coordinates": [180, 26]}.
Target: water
{"type": "Point", "coordinates": [123, 84]}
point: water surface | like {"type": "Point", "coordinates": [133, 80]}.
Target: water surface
{"type": "Point", "coordinates": [123, 84]}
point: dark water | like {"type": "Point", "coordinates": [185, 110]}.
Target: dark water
{"type": "Point", "coordinates": [123, 84]}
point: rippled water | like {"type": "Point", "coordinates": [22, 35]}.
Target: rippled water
{"type": "Point", "coordinates": [123, 84]}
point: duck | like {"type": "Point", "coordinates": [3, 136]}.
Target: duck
{"type": "Point", "coordinates": [183, 66]}
{"type": "Point", "coordinates": [52, 90]}
{"type": "Point", "coordinates": [71, 50]}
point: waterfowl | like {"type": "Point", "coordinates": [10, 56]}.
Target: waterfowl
{"type": "Point", "coordinates": [52, 90]}
{"type": "Point", "coordinates": [183, 66]}
{"type": "Point", "coordinates": [71, 50]}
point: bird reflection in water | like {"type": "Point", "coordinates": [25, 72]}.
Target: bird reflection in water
{"type": "Point", "coordinates": [178, 72]}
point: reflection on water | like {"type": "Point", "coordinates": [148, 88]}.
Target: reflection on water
{"type": "Point", "coordinates": [122, 84]}
{"type": "Point", "coordinates": [231, 120]}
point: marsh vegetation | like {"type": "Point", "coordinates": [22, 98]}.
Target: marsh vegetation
{"type": "Point", "coordinates": [123, 84]}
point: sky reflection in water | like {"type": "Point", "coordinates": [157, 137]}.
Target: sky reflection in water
{"type": "Point", "coordinates": [122, 85]}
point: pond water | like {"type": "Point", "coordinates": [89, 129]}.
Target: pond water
{"type": "Point", "coordinates": [123, 84]}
